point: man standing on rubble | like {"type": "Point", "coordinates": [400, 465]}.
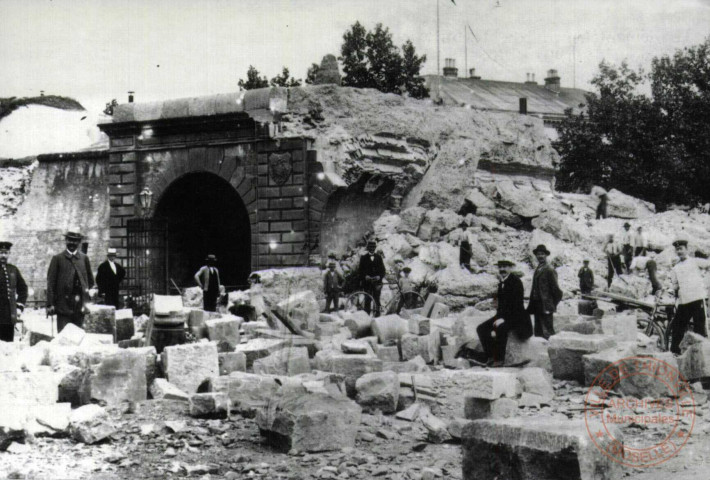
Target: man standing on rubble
{"type": "Point", "coordinates": [640, 243]}
{"type": "Point", "coordinates": [207, 278]}
{"type": "Point", "coordinates": [691, 293]}
{"type": "Point", "coordinates": [372, 272]}
{"type": "Point", "coordinates": [13, 294]}
{"type": "Point", "coordinates": [613, 259]}
{"type": "Point", "coordinates": [108, 278]}
{"type": "Point", "coordinates": [545, 294]}
{"type": "Point", "coordinates": [69, 279]}
{"type": "Point", "coordinates": [510, 316]}
{"type": "Point", "coordinates": [627, 246]}
{"type": "Point", "coordinates": [586, 278]}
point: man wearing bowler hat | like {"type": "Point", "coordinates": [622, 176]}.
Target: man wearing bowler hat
{"type": "Point", "coordinates": [545, 294]}
{"type": "Point", "coordinates": [510, 316]}
{"type": "Point", "coordinates": [13, 294]}
{"type": "Point", "coordinates": [69, 279]}
{"type": "Point", "coordinates": [207, 277]}
{"type": "Point", "coordinates": [109, 277]}
{"type": "Point", "coordinates": [372, 272]}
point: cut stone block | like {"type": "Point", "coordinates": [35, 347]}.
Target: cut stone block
{"type": "Point", "coordinates": [566, 350]}
{"type": "Point", "coordinates": [388, 354]}
{"type": "Point", "coordinates": [166, 305]}
{"type": "Point", "coordinates": [431, 300]}
{"type": "Point", "coordinates": [694, 363]}
{"type": "Point", "coordinates": [410, 414]}
{"type": "Point", "coordinates": [90, 424]}
{"type": "Point", "coordinates": [161, 389]}
{"type": "Point", "coordinates": [70, 379]}
{"type": "Point", "coordinates": [100, 319]}
{"type": "Point", "coordinates": [492, 384]}
{"type": "Point", "coordinates": [359, 323]}
{"type": "Point", "coordinates": [389, 328]}
{"type": "Point", "coordinates": [315, 422]}
{"type": "Point", "coordinates": [260, 348]}
{"type": "Point", "coordinates": [477, 408]}
{"type": "Point", "coordinates": [418, 325]}
{"type": "Point", "coordinates": [29, 388]}
{"type": "Point", "coordinates": [212, 404]}
{"type": "Point", "coordinates": [288, 361]}
{"type": "Point", "coordinates": [151, 362]}
{"type": "Point", "coordinates": [12, 429]}
{"type": "Point", "coordinates": [232, 362]}
{"type": "Point", "coordinates": [189, 366]}
{"type": "Point", "coordinates": [97, 339]}
{"type": "Point", "coordinates": [621, 327]}
{"type": "Point", "coordinates": [125, 326]}
{"type": "Point", "coordinates": [378, 391]}
{"type": "Point", "coordinates": [119, 377]}
{"type": "Point", "coordinates": [455, 427]}
{"type": "Point", "coordinates": [47, 420]}
{"type": "Point", "coordinates": [534, 350]}
{"type": "Point", "coordinates": [327, 329]}
{"type": "Point", "coordinates": [437, 429]}
{"type": "Point", "coordinates": [224, 332]}
{"type": "Point", "coordinates": [350, 366]}
{"type": "Point", "coordinates": [415, 346]}
{"type": "Point", "coordinates": [535, 448]}
{"type": "Point", "coordinates": [439, 310]}
{"type": "Point", "coordinates": [70, 335]}
{"type": "Point", "coordinates": [247, 392]}
{"type": "Point", "coordinates": [536, 381]}
{"type": "Point", "coordinates": [595, 363]}
{"type": "Point", "coordinates": [356, 346]}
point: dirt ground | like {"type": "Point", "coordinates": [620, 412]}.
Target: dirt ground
{"type": "Point", "coordinates": [157, 439]}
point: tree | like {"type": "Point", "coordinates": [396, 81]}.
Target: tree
{"type": "Point", "coordinates": [253, 80]}
{"type": "Point", "coordinates": [372, 60]}
{"type": "Point", "coordinates": [283, 80]}
{"type": "Point", "coordinates": [655, 146]}
{"type": "Point", "coordinates": [312, 73]}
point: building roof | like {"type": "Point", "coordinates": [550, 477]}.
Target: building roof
{"type": "Point", "coordinates": [497, 95]}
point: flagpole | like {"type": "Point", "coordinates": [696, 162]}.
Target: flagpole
{"type": "Point", "coordinates": [465, 51]}
{"type": "Point", "coordinates": [438, 70]}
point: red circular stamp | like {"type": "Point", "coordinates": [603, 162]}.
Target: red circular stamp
{"type": "Point", "coordinates": [639, 411]}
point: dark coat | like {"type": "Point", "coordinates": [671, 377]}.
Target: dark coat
{"type": "Point", "coordinates": [371, 268]}
{"type": "Point", "coordinates": [16, 294]}
{"type": "Point", "coordinates": [108, 282]}
{"type": "Point", "coordinates": [60, 280]}
{"type": "Point", "coordinates": [511, 307]}
{"type": "Point", "coordinates": [545, 293]}
{"type": "Point", "coordinates": [332, 282]}
{"type": "Point", "coordinates": [586, 279]}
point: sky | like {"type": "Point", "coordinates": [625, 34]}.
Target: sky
{"type": "Point", "coordinates": [96, 50]}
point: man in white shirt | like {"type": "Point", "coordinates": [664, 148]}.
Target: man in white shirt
{"type": "Point", "coordinates": [626, 245]}
{"type": "Point", "coordinates": [691, 293]}
{"type": "Point", "coordinates": [640, 242]}
{"type": "Point", "coordinates": [108, 278]}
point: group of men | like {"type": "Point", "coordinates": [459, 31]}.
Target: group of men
{"type": "Point", "coordinates": [624, 246]}
{"type": "Point", "coordinates": [69, 281]}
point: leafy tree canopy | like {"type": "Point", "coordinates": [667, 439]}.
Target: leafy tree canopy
{"type": "Point", "coordinates": [253, 80]}
{"type": "Point", "coordinates": [284, 80]}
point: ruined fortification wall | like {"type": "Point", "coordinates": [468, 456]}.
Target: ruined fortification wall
{"type": "Point", "coordinates": [64, 191]}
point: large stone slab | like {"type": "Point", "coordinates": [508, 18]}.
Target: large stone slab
{"type": "Point", "coordinates": [210, 404]}
{"type": "Point", "coordinates": [491, 384]}
{"type": "Point", "coordinates": [224, 332]}
{"type": "Point", "coordinates": [694, 363]}
{"type": "Point", "coordinates": [232, 362]}
{"type": "Point", "coordinates": [621, 327]}
{"type": "Point", "coordinates": [125, 325]}
{"type": "Point", "coordinates": [533, 351]}
{"type": "Point", "coordinates": [119, 377]}
{"type": "Point", "coordinates": [378, 391]}
{"type": "Point", "coordinates": [260, 348]}
{"type": "Point", "coordinates": [309, 422]}
{"type": "Point", "coordinates": [29, 388]}
{"type": "Point", "coordinates": [288, 361]}
{"type": "Point", "coordinates": [100, 319]}
{"type": "Point", "coordinates": [166, 305]}
{"type": "Point", "coordinates": [248, 393]}
{"type": "Point", "coordinates": [359, 323]}
{"type": "Point", "coordinates": [70, 335]}
{"type": "Point", "coordinates": [161, 389]}
{"type": "Point", "coordinates": [536, 381]}
{"type": "Point", "coordinates": [389, 328]}
{"type": "Point", "coordinates": [534, 449]}
{"type": "Point", "coordinates": [477, 408]}
{"type": "Point", "coordinates": [90, 424]}
{"type": "Point", "coordinates": [189, 366]}
{"type": "Point", "coordinates": [595, 363]}
{"type": "Point", "coordinates": [566, 350]}
{"type": "Point", "coordinates": [350, 366]}
{"type": "Point", "coordinates": [415, 346]}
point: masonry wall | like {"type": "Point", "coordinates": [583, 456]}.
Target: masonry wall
{"type": "Point", "coordinates": [67, 191]}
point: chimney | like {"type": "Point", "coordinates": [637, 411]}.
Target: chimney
{"type": "Point", "coordinates": [130, 96]}
{"type": "Point", "coordinates": [523, 102]}
{"type": "Point", "coordinates": [530, 79]}
{"type": "Point", "coordinates": [450, 69]}
{"type": "Point", "coordinates": [41, 93]}
{"type": "Point", "coordinates": [552, 81]}
{"type": "Point", "coordinates": [472, 74]}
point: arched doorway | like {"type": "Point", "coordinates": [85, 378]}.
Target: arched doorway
{"type": "Point", "coordinates": [204, 215]}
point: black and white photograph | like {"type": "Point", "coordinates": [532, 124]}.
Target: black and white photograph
{"type": "Point", "coordinates": [354, 239]}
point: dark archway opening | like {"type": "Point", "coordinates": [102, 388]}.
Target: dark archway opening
{"type": "Point", "coordinates": [205, 214]}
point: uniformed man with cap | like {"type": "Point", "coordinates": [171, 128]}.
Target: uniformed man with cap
{"type": "Point", "coordinates": [13, 294]}
{"type": "Point", "coordinates": [207, 277]}
{"type": "Point", "coordinates": [69, 279]}
{"type": "Point", "coordinates": [691, 293]}
{"type": "Point", "coordinates": [372, 272]}
{"type": "Point", "coordinates": [510, 316]}
{"type": "Point", "coordinates": [109, 277]}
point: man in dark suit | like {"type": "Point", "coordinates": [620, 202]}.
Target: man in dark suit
{"type": "Point", "coordinates": [545, 294]}
{"type": "Point", "coordinates": [586, 278]}
{"type": "Point", "coordinates": [332, 285]}
{"type": "Point", "coordinates": [109, 277]}
{"type": "Point", "coordinates": [13, 294]}
{"type": "Point", "coordinates": [207, 277]}
{"type": "Point", "coordinates": [69, 279]}
{"type": "Point", "coordinates": [510, 316]}
{"type": "Point", "coordinates": [372, 271]}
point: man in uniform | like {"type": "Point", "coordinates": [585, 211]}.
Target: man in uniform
{"type": "Point", "coordinates": [691, 293]}
{"type": "Point", "coordinates": [108, 278]}
{"type": "Point", "coordinates": [545, 294]}
{"type": "Point", "coordinates": [332, 285]}
{"type": "Point", "coordinates": [207, 278]}
{"type": "Point", "coordinates": [372, 272]}
{"type": "Point", "coordinates": [586, 278]}
{"type": "Point", "coordinates": [13, 294]}
{"type": "Point", "coordinates": [69, 279]}
{"type": "Point", "coordinates": [510, 316]}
